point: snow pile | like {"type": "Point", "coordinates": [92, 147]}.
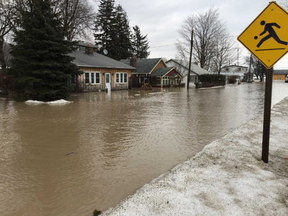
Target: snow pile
{"type": "Point", "coordinates": [57, 102]}
{"type": "Point", "coordinates": [226, 178]}
{"type": "Point", "coordinates": [34, 102]}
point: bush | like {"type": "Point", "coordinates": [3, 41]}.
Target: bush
{"type": "Point", "coordinates": [146, 86]}
{"type": "Point", "coordinates": [212, 78]}
{"type": "Point", "coordinates": [232, 79]}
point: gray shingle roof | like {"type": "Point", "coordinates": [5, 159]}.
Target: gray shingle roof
{"type": "Point", "coordinates": [280, 72]}
{"type": "Point", "coordinates": [194, 68]}
{"type": "Point", "coordinates": [144, 66]}
{"type": "Point", "coordinates": [97, 61]}
{"type": "Point", "coordinates": [161, 71]}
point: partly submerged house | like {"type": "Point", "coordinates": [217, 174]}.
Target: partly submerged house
{"type": "Point", "coordinates": [183, 68]}
{"type": "Point", "coordinates": [153, 71]}
{"type": "Point", "coordinates": [238, 71]}
{"type": "Point", "coordinates": [99, 72]}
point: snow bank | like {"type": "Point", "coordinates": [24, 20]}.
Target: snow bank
{"type": "Point", "coordinates": [34, 102]}
{"type": "Point", "coordinates": [226, 178]}
{"type": "Point", "coordinates": [57, 102]}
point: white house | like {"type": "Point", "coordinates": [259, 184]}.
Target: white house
{"type": "Point", "coordinates": [183, 68]}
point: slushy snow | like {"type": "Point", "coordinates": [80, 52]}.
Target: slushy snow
{"type": "Point", "coordinates": [226, 178]}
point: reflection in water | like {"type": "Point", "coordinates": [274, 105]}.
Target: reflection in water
{"type": "Point", "coordinates": [69, 160]}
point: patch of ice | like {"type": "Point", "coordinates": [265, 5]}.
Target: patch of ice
{"type": "Point", "coordinates": [57, 102]}
{"type": "Point", "coordinates": [34, 102]}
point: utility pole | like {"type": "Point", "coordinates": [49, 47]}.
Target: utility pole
{"type": "Point", "coordinates": [190, 59]}
{"type": "Point", "coordinates": [249, 79]}
{"type": "Point", "coordinates": [237, 56]}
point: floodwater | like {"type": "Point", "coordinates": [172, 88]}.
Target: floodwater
{"type": "Point", "coordinates": [69, 160]}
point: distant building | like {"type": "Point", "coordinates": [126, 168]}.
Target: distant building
{"type": "Point", "coordinates": [183, 68]}
{"type": "Point", "coordinates": [241, 72]}
{"type": "Point", "coordinates": [280, 75]}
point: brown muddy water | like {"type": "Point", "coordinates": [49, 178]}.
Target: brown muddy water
{"type": "Point", "coordinates": [69, 160]}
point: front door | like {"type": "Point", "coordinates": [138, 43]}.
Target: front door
{"type": "Point", "coordinates": [107, 81]}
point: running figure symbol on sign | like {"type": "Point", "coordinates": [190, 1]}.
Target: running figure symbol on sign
{"type": "Point", "coordinates": [269, 28]}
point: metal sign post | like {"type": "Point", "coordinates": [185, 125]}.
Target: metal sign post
{"type": "Point", "coordinates": [267, 115]}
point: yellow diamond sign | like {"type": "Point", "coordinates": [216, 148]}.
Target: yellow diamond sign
{"type": "Point", "coordinates": [267, 36]}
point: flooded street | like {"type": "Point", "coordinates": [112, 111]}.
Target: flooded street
{"type": "Point", "coordinates": [69, 160]}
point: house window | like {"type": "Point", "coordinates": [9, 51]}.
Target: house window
{"type": "Point", "coordinates": [158, 81]}
{"type": "Point", "coordinates": [97, 78]}
{"type": "Point", "coordinates": [121, 77]}
{"type": "Point", "coordinates": [90, 77]}
{"type": "Point", "coordinates": [87, 78]}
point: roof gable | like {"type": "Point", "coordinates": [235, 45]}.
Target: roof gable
{"type": "Point", "coordinates": [194, 68]}
{"type": "Point", "coordinates": [161, 71]}
{"type": "Point", "coordinates": [144, 66]}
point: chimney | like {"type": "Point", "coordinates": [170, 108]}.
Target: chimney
{"type": "Point", "coordinates": [133, 61]}
{"type": "Point", "coordinates": [88, 50]}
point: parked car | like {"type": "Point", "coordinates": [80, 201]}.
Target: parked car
{"type": "Point", "coordinates": [286, 78]}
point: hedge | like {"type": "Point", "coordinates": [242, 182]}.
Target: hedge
{"type": "Point", "coordinates": [212, 78]}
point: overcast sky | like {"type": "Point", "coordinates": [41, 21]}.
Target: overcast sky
{"type": "Point", "coordinates": [161, 19]}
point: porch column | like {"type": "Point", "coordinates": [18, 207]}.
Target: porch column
{"type": "Point", "coordinates": [161, 82]}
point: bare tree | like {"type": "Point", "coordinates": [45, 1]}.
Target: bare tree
{"type": "Point", "coordinates": [284, 4]}
{"type": "Point", "coordinates": [209, 30]}
{"type": "Point", "coordinates": [7, 9]}
{"type": "Point", "coordinates": [223, 52]}
{"type": "Point", "coordinates": [77, 17]}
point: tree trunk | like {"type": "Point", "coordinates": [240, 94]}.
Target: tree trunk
{"type": "Point", "coordinates": [2, 57]}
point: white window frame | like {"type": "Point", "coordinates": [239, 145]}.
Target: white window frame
{"type": "Point", "coordinates": [94, 75]}
{"type": "Point", "coordinates": [121, 77]}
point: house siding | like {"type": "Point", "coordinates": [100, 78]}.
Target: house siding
{"type": "Point", "coordinates": [101, 87]}
{"type": "Point", "coordinates": [279, 77]}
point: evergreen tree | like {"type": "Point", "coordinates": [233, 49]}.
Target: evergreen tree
{"type": "Point", "coordinates": [41, 66]}
{"type": "Point", "coordinates": [140, 44]}
{"type": "Point", "coordinates": [123, 37]}
{"type": "Point", "coordinates": [105, 27]}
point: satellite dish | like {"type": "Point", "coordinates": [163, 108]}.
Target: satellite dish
{"type": "Point", "coordinates": [105, 52]}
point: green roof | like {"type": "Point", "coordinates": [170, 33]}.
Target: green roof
{"type": "Point", "coordinates": [144, 66]}
{"type": "Point", "coordinates": [161, 71]}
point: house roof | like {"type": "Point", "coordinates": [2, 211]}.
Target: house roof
{"type": "Point", "coordinates": [238, 66]}
{"type": "Point", "coordinates": [280, 72]}
{"type": "Point", "coordinates": [86, 44]}
{"type": "Point", "coordinates": [144, 66]}
{"type": "Point", "coordinates": [231, 73]}
{"type": "Point", "coordinates": [161, 71]}
{"type": "Point", "coordinates": [97, 61]}
{"type": "Point", "coordinates": [194, 68]}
